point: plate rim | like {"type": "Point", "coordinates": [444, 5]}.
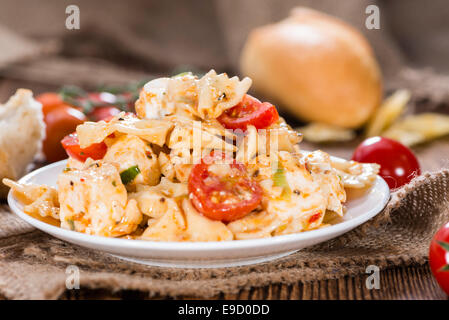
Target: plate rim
{"type": "Point", "coordinates": [190, 246]}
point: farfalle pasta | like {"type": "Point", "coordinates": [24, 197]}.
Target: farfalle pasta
{"type": "Point", "coordinates": [201, 160]}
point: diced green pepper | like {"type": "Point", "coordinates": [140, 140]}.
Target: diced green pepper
{"type": "Point", "coordinates": [280, 180]}
{"type": "Point", "coordinates": [129, 174]}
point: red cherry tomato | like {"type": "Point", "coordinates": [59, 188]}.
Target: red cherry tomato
{"type": "Point", "coordinates": [103, 113]}
{"type": "Point", "coordinates": [60, 120]}
{"type": "Point", "coordinates": [439, 257]}
{"type": "Point", "coordinates": [71, 145]}
{"type": "Point", "coordinates": [250, 111]}
{"type": "Point", "coordinates": [398, 164]}
{"type": "Point", "coordinates": [98, 98]}
{"type": "Point", "coordinates": [49, 100]}
{"type": "Point", "coordinates": [223, 196]}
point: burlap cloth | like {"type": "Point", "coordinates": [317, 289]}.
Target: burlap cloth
{"type": "Point", "coordinates": [33, 264]}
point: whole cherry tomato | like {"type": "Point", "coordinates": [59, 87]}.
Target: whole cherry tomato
{"type": "Point", "coordinates": [49, 100]}
{"type": "Point", "coordinates": [224, 195]}
{"type": "Point", "coordinates": [60, 121]}
{"type": "Point", "coordinates": [250, 111]}
{"type": "Point", "coordinates": [103, 113]}
{"type": "Point", "coordinates": [71, 145]}
{"type": "Point", "coordinates": [439, 257]}
{"type": "Point", "coordinates": [398, 164]}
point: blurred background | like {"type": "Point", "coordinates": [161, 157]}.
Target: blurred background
{"type": "Point", "coordinates": [158, 37]}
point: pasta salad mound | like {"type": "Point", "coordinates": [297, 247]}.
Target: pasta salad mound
{"type": "Point", "coordinates": [201, 160]}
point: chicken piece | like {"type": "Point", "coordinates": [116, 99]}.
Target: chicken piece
{"type": "Point", "coordinates": [128, 151]}
{"type": "Point", "coordinates": [38, 200]}
{"type": "Point", "coordinates": [93, 200]}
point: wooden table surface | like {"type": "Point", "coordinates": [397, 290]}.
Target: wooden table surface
{"type": "Point", "coordinates": [415, 282]}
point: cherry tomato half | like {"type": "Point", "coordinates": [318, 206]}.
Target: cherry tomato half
{"type": "Point", "coordinates": [224, 196]}
{"type": "Point", "coordinates": [250, 111]}
{"type": "Point", "coordinates": [439, 257]}
{"type": "Point", "coordinates": [398, 164]}
{"type": "Point", "coordinates": [60, 121]}
{"type": "Point", "coordinates": [103, 113]}
{"type": "Point", "coordinates": [71, 145]}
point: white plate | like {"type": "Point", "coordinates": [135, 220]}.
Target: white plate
{"type": "Point", "coordinates": [207, 254]}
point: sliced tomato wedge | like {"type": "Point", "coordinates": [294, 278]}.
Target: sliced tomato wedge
{"type": "Point", "coordinates": [223, 193]}
{"type": "Point", "coordinates": [71, 145]}
{"type": "Point", "coordinates": [250, 111]}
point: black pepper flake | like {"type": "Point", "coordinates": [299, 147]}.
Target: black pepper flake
{"type": "Point", "coordinates": [256, 173]}
{"type": "Point", "coordinates": [71, 183]}
{"type": "Point", "coordinates": [162, 200]}
{"type": "Point", "coordinates": [222, 96]}
{"type": "Point", "coordinates": [121, 119]}
{"type": "Point", "coordinates": [296, 191]}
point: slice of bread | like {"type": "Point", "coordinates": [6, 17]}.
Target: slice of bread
{"type": "Point", "coordinates": [22, 130]}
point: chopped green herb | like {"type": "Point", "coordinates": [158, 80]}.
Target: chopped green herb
{"type": "Point", "coordinates": [114, 183]}
{"type": "Point", "coordinates": [129, 174]}
{"type": "Point", "coordinates": [71, 223]}
{"type": "Point", "coordinates": [67, 169]}
{"type": "Point", "coordinates": [280, 180]}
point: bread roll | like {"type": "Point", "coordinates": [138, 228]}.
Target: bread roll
{"type": "Point", "coordinates": [22, 130]}
{"type": "Point", "coordinates": [316, 66]}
